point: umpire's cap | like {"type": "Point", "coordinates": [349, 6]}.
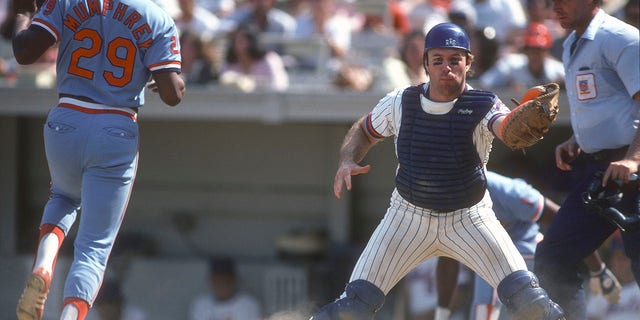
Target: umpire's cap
{"type": "Point", "coordinates": [446, 35]}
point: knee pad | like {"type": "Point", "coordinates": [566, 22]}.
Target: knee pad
{"type": "Point", "coordinates": [363, 299]}
{"type": "Point", "coordinates": [523, 298]}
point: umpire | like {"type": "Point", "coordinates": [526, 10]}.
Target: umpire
{"type": "Point", "coordinates": [602, 75]}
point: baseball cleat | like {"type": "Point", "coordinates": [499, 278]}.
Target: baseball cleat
{"type": "Point", "coordinates": [31, 304]}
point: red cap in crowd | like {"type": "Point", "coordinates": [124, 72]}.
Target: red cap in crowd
{"type": "Point", "coordinates": [538, 36]}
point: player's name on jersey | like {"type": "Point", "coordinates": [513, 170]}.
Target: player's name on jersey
{"type": "Point", "coordinates": [118, 11]}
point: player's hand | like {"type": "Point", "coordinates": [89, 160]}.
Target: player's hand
{"type": "Point", "coordinates": [566, 152]}
{"type": "Point", "coordinates": [620, 170]}
{"type": "Point", "coordinates": [343, 175]}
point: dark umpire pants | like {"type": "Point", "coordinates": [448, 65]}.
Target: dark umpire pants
{"type": "Point", "coordinates": [574, 233]}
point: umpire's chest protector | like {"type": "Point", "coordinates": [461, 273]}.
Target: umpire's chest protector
{"type": "Point", "coordinates": [439, 166]}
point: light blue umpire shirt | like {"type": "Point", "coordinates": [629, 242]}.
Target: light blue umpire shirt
{"type": "Point", "coordinates": [602, 75]}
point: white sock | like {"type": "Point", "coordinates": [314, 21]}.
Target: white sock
{"type": "Point", "coordinates": [483, 311]}
{"type": "Point", "coordinates": [69, 312]}
{"type": "Point", "coordinates": [47, 252]}
{"type": "Point", "coordinates": [442, 313]}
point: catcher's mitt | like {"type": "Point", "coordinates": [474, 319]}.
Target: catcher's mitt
{"type": "Point", "coordinates": [530, 120]}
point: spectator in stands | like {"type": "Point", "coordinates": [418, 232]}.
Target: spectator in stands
{"type": "Point", "coordinates": [8, 71]}
{"type": "Point", "coordinates": [201, 59]}
{"type": "Point", "coordinates": [540, 11]}
{"type": "Point", "coordinates": [297, 8]}
{"type": "Point", "coordinates": [249, 66]}
{"type": "Point", "coordinates": [324, 20]}
{"type": "Point", "coordinates": [399, 17]}
{"type": "Point", "coordinates": [111, 304]}
{"type": "Point", "coordinates": [221, 8]}
{"type": "Point", "coordinates": [427, 13]}
{"type": "Point", "coordinates": [195, 19]}
{"type": "Point", "coordinates": [353, 77]}
{"type": "Point", "coordinates": [464, 14]}
{"type": "Point", "coordinates": [534, 66]}
{"type": "Point", "coordinates": [406, 68]}
{"type": "Point", "coordinates": [503, 20]}
{"type": "Point", "coordinates": [224, 301]}
{"type": "Point", "coordinates": [262, 15]}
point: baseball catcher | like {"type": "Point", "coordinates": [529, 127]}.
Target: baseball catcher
{"type": "Point", "coordinates": [530, 120]}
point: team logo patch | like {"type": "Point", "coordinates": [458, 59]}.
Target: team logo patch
{"type": "Point", "coordinates": [451, 42]}
{"type": "Point", "coordinates": [586, 86]}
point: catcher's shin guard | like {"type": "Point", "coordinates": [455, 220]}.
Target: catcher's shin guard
{"type": "Point", "coordinates": [363, 299]}
{"type": "Point", "coordinates": [524, 299]}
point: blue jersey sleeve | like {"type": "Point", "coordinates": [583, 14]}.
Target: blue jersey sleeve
{"type": "Point", "coordinates": [49, 18]}
{"type": "Point", "coordinates": [514, 199]}
{"type": "Point", "coordinates": [164, 52]}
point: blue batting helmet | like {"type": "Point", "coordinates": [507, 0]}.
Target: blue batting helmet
{"type": "Point", "coordinates": [446, 35]}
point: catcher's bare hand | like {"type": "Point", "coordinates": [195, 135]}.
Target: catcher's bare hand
{"type": "Point", "coordinates": [566, 152]}
{"type": "Point", "coordinates": [343, 175]}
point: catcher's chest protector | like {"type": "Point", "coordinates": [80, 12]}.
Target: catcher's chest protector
{"type": "Point", "coordinates": [439, 165]}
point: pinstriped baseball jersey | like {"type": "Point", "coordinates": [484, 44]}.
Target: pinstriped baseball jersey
{"type": "Point", "coordinates": [409, 235]}
{"type": "Point", "coordinates": [117, 44]}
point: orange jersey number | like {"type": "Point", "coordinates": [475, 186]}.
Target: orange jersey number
{"type": "Point", "coordinates": [121, 52]}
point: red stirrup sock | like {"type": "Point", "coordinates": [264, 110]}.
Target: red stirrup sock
{"type": "Point", "coordinates": [51, 228]}
{"type": "Point", "coordinates": [80, 305]}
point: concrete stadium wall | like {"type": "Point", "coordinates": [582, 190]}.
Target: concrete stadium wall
{"type": "Point", "coordinates": [226, 172]}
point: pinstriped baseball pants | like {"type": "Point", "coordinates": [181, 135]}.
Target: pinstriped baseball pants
{"type": "Point", "coordinates": [409, 235]}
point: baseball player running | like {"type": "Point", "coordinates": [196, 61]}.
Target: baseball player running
{"type": "Point", "coordinates": [443, 132]}
{"type": "Point", "coordinates": [108, 50]}
{"type": "Point", "coordinates": [519, 206]}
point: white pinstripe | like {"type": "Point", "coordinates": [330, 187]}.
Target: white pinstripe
{"type": "Point", "coordinates": [409, 235]}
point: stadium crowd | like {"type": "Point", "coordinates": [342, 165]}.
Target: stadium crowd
{"type": "Point", "coordinates": [347, 44]}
